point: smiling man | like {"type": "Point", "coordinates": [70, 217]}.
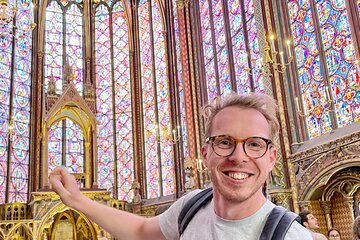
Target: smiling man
{"type": "Point", "coordinates": [239, 154]}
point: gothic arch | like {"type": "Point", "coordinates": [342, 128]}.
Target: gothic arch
{"type": "Point", "coordinates": [323, 176]}
{"type": "Point", "coordinates": [59, 210]}
{"type": "Point", "coordinates": [346, 185]}
{"type": "Point", "coordinates": [27, 229]}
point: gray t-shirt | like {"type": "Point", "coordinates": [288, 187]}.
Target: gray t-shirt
{"type": "Point", "coordinates": [207, 225]}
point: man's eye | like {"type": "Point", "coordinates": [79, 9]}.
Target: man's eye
{"type": "Point", "coordinates": [226, 142]}
{"type": "Point", "coordinates": [254, 144]}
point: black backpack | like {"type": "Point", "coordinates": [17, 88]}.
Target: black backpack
{"type": "Point", "coordinates": [276, 226]}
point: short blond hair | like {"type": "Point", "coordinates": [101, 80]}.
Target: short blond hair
{"type": "Point", "coordinates": [263, 103]}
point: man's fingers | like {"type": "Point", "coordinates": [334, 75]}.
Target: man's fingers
{"type": "Point", "coordinates": [57, 186]}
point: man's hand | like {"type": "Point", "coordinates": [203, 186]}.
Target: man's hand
{"type": "Point", "coordinates": [64, 184]}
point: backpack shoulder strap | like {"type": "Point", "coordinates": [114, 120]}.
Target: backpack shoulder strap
{"type": "Point", "coordinates": [191, 207]}
{"type": "Point", "coordinates": [278, 223]}
{"type": "Point", "coordinates": [271, 223]}
{"type": "Point", "coordinates": [284, 224]}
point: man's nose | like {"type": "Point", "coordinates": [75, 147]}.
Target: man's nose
{"type": "Point", "coordinates": [239, 153]}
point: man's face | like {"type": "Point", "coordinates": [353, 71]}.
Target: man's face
{"type": "Point", "coordinates": [312, 222]}
{"type": "Point", "coordinates": [238, 177]}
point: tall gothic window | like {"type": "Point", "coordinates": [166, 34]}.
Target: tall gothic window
{"type": "Point", "coordinates": [230, 47]}
{"type": "Point", "coordinates": [64, 61]}
{"type": "Point", "coordinates": [159, 162]}
{"type": "Point", "coordinates": [15, 86]}
{"type": "Point", "coordinates": [328, 73]}
{"type": "Point", "coordinates": [64, 51]}
{"type": "Point", "coordinates": [113, 98]}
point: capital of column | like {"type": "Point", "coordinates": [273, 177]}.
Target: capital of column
{"type": "Point", "coordinates": [282, 198]}
{"type": "Point", "coordinates": [326, 206]}
{"type": "Point", "coordinates": [180, 4]}
{"type": "Point", "coordinates": [304, 205]}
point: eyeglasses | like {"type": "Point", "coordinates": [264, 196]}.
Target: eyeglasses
{"type": "Point", "coordinates": [224, 145]}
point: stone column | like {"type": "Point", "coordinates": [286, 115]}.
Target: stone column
{"type": "Point", "coordinates": [350, 202]}
{"type": "Point", "coordinates": [326, 206]}
{"type": "Point", "coordinates": [87, 165]}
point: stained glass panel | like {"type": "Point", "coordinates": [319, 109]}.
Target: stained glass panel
{"type": "Point", "coordinates": [340, 59]}
{"type": "Point", "coordinates": [20, 108]}
{"type": "Point", "coordinates": [54, 45]}
{"type": "Point", "coordinates": [104, 99]}
{"type": "Point", "coordinates": [256, 60]}
{"type": "Point", "coordinates": [240, 37]}
{"type": "Point", "coordinates": [55, 145]}
{"type": "Point", "coordinates": [123, 106]}
{"type": "Point", "coordinates": [74, 147]}
{"type": "Point", "coordinates": [221, 47]}
{"type": "Point", "coordinates": [5, 84]}
{"type": "Point", "coordinates": [239, 47]}
{"type": "Point", "coordinates": [309, 70]}
{"type": "Point", "coordinates": [74, 45]}
{"type": "Point", "coordinates": [152, 158]}
{"type": "Point", "coordinates": [64, 31]}
{"type": "Point", "coordinates": [163, 101]}
{"type": "Point", "coordinates": [208, 49]}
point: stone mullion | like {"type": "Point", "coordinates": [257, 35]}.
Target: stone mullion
{"type": "Point", "coordinates": [139, 155]}
{"type": "Point", "coordinates": [185, 62]}
{"type": "Point", "coordinates": [39, 111]}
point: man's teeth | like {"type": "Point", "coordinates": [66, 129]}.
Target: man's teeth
{"type": "Point", "coordinates": [238, 176]}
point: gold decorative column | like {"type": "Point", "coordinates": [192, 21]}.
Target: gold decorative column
{"type": "Point", "coordinates": [87, 164]}
{"type": "Point", "coordinates": [44, 155]}
{"type": "Point", "coordinates": [326, 206]}
{"type": "Point", "coordinates": [350, 202]}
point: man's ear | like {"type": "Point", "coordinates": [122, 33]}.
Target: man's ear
{"type": "Point", "coordinates": [273, 152]}
{"type": "Point", "coordinates": [306, 224]}
{"type": "Point", "coordinates": [204, 154]}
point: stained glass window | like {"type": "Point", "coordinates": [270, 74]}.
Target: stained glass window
{"type": "Point", "coordinates": [336, 86]}
{"type": "Point", "coordinates": [66, 146]}
{"type": "Point", "coordinates": [156, 105]}
{"type": "Point", "coordinates": [239, 37]}
{"type": "Point", "coordinates": [113, 96]}
{"type": "Point", "coordinates": [15, 86]}
{"type": "Point", "coordinates": [64, 58]}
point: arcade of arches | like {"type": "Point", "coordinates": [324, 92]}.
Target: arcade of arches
{"type": "Point", "coordinates": [113, 91]}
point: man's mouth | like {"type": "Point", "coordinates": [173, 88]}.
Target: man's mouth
{"type": "Point", "coordinates": [237, 175]}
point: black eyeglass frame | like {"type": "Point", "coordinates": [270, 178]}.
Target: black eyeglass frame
{"type": "Point", "coordinates": [239, 140]}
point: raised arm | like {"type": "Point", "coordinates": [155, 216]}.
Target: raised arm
{"type": "Point", "coordinates": [120, 224]}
